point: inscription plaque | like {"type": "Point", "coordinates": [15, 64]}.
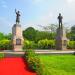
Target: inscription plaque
{"type": "Point", "coordinates": [18, 41]}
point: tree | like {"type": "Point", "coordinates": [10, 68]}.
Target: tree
{"type": "Point", "coordinates": [35, 35]}
{"type": "Point", "coordinates": [51, 27]}
{"type": "Point", "coordinates": [72, 33]}
{"type": "Point", "coordinates": [40, 35]}
{"type": "Point", "coordinates": [29, 33]}
{"type": "Point", "coordinates": [8, 36]}
{"type": "Point", "coordinates": [5, 36]}
{"type": "Point", "coordinates": [73, 29]}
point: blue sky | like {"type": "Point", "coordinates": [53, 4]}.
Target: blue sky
{"type": "Point", "coordinates": [34, 12]}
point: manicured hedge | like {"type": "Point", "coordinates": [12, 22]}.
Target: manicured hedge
{"type": "Point", "coordinates": [46, 44]}
{"type": "Point", "coordinates": [5, 45]}
{"type": "Point", "coordinates": [41, 44]}
{"type": "Point", "coordinates": [71, 45]}
{"type": "Point", "coordinates": [29, 45]}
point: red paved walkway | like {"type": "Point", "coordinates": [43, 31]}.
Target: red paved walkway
{"type": "Point", "coordinates": [13, 66]}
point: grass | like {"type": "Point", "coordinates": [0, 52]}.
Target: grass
{"type": "Point", "coordinates": [58, 64]}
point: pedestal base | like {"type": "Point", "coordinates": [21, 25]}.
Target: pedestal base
{"type": "Point", "coordinates": [17, 48]}
{"type": "Point", "coordinates": [17, 38]}
{"type": "Point", "coordinates": [61, 40]}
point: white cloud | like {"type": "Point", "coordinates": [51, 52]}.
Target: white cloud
{"type": "Point", "coordinates": [42, 20]}
{"type": "Point", "coordinates": [45, 19]}
{"type": "Point", "coordinates": [70, 1]}
{"type": "Point", "coordinates": [5, 25]}
{"type": "Point", "coordinates": [4, 4]}
{"type": "Point", "coordinates": [38, 1]}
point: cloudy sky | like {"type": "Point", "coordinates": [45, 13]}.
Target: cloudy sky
{"type": "Point", "coordinates": [34, 12]}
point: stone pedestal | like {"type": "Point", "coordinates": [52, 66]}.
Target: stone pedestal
{"type": "Point", "coordinates": [17, 38]}
{"type": "Point", "coordinates": [61, 39]}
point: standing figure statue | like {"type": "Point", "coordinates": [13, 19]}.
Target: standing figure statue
{"type": "Point", "coordinates": [60, 20]}
{"type": "Point", "coordinates": [17, 16]}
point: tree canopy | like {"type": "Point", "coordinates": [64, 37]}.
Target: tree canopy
{"type": "Point", "coordinates": [35, 35]}
{"type": "Point", "coordinates": [29, 33]}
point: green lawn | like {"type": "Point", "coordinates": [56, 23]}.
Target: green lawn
{"type": "Point", "coordinates": [58, 64]}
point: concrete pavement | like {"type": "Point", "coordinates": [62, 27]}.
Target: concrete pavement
{"type": "Point", "coordinates": [46, 52]}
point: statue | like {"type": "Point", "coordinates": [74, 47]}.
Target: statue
{"type": "Point", "coordinates": [60, 20]}
{"type": "Point", "coordinates": [17, 16]}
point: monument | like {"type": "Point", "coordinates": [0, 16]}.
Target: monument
{"type": "Point", "coordinates": [17, 38]}
{"type": "Point", "coordinates": [61, 39]}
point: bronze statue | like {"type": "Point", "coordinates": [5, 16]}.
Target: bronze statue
{"type": "Point", "coordinates": [60, 20]}
{"type": "Point", "coordinates": [17, 16]}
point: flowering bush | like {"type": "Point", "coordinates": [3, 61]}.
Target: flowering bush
{"type": "Point", "coordinates": [32, 60]}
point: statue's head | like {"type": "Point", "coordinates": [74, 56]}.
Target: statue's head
{"type": "Point", "coordinates": [18, 11]}
{"type": "Point", "coordinates": [59, 14]}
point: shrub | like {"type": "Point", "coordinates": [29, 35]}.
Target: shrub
{"type": "Point", "coordinates": [29, 44]}
{"type": "Point", "coordinates": [5, 44]}
{"type": "Point", "coordinates": [42, 44]}
{"type": "Point", "coordinates": [32, 60]}
{"type": "Point", "coordinates": [71, 45]}
{"type": "Point", "coordinates": [46, 44]}
{"type": "Point", "coordinates": [34, 63]}
{"type": "Point", "coordinates": [1, 55]}
{"type": "Point", "coordinates": [42, 70]}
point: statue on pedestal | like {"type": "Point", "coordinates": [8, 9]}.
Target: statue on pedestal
{"type": "Point", "coordinates": [17, 16]}
{"type": "Point", "coordinates": [60, 20]}
{"type": "Point", "coordinates": [61, 39]}
{"type": "Point", "coordinates": [17, 37]}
